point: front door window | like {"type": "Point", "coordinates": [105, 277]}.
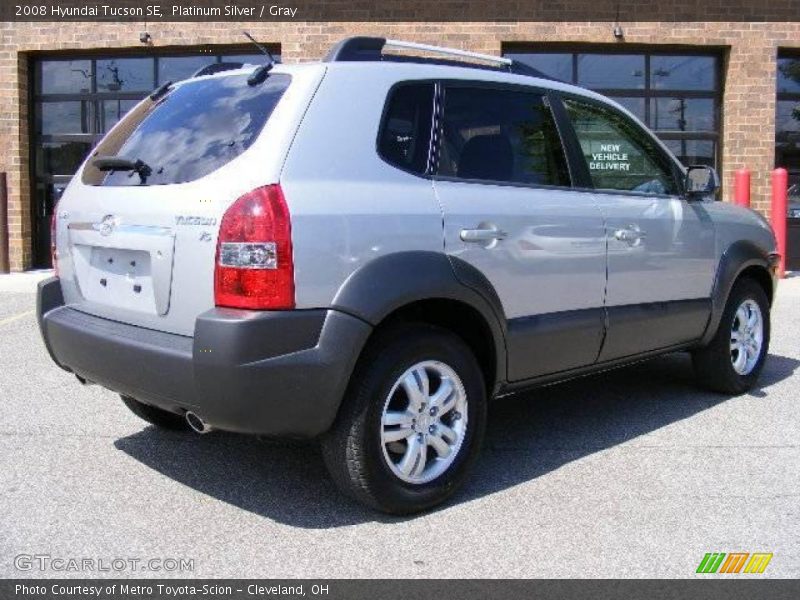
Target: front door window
{"type": "Point", "coordinates": [620, 155]}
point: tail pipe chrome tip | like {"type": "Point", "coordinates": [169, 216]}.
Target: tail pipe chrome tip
{"type": "Point", "coordinates": [197, 424]}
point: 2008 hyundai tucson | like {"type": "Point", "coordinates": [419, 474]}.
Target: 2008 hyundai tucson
{"type": "Point", "coordinates": [368, 249]}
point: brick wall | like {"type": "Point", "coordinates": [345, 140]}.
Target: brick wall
{"type": "Point", "coordinates": [748, 117]}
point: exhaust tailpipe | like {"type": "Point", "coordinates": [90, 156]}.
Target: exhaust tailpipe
{"type": "Point", "coordinates": [197, 424]}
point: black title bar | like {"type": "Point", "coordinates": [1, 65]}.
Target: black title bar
{"type": "Point", "coordinates": [400, 10]}
{"type": "Point", "coordinates": [398, 589]}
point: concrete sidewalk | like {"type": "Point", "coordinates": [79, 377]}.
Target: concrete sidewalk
{"type": "Point", "coordinates": [24, 282]}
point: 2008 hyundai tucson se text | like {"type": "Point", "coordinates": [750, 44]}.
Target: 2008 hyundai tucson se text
{"type": "Point", "coordinates": [368, 249]}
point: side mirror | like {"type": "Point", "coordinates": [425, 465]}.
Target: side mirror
{"type": "Point", "coordinates": [701, 181]}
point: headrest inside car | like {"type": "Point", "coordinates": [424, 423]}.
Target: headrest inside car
{"type": "Point", "coordinates": [487, 157]}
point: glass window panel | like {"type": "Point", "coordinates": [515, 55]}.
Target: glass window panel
{"type": "Point", "coordinates": [794, 189]}
{"type": "Point", "coordinates": [787, 155]}
{"type": "Point", "coordinates": [61, 158]}
{"type": "Point", "coordinates": [683, 72]}
{"type": "Point", "coordinates": [635, 105]}
{"type": "Point", "coordinates": [500, 135]}
{"type": "Point", "coordinates": [113, 111]}
{"type": "Point", "coordinates": [125, 75]}
{"type": "Point", "coordinates": [176, 68]}
{"type": "Point", "coordinates": [682, 114]}
{"type": "Point", "coordinates": [406, 129]}
{"type": "Point", "coordinates": [64, 117]}
{"type": "Point", "coordinates": [256, 58]}
{"type": "Point", "coordinates": [789, 75]}
{"type": "Point", "coordinates": [693, 152]}
{"type": "Point", "coordinates": [788, 116]}
{"type": "Point", "coordinates": [557, 66]}
{"type": "Point", "coordinates": [64, 77]}
{"type": "Point", "coordinates": [45, 198]}
{"type": "Point", "coordinates": [195, 129]}
{"type": "Point", "coordinates": [620, 155]}
{"type": "Point", "coordinates": [612, 71]}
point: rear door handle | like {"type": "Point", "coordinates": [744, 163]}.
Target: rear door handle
{"type": "Point", "coordinates": [482, 235]}
{"type": "Point", "coordinates": [632, 234]}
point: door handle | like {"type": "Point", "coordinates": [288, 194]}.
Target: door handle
{"type": "Point", "coordinates": [482, 235]}
{"type": "Point", "coordinates": [632, 235]}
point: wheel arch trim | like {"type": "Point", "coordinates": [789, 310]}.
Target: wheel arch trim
{"type": "Point", "coordinates": [389, 283]}
{"type": "Point", "coordinates": [738, 257]}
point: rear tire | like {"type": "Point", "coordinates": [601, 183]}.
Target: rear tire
{"type": "Point", "coordinates": [156, 416]}
{"type": "Point", "coordinates": [732, 362]}
{"type": "Point", "coordinates": [397, 446]}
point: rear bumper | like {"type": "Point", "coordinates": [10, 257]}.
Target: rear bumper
{"type": "Point", "coordinates": [280, 373]}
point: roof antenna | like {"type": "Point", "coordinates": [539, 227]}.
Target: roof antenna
{"type": "Point", "coordinates": [261, 73]}
{"type": "Point", "coordinates": [260, 47]}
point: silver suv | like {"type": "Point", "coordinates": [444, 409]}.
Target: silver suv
{"type": "Point", "coordinates": [368, 249]}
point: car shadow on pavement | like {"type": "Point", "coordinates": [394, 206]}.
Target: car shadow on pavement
{"type": "Point", "coordinates": [529, 435]}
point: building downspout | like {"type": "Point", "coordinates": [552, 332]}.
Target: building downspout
{"type": "Point", "coordinates": [4, 262]}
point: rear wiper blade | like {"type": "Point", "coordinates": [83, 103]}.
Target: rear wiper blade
{"type": "Point", "coordinates": [261, 73]}
{"type": "Point", "coordinates": [114, 163]}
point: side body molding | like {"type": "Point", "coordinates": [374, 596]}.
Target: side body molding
{"type": "Point", "coordinates": [390, 282]}
{"type": "Point", "coordinates": [739, 256]}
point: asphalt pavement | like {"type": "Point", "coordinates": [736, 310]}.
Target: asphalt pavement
{"type": "Point", "coordinates": [631, 473]}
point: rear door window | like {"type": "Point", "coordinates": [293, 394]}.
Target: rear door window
{"type": "Point", "coordinates": [501, 135]}
{"type": "Point", "coordinates": [405, 135]}
{"type": "Point", "coordinates": [191, 131]}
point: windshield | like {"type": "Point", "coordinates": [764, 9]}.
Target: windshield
{"type": "Point", "coordinates": [190, 132]}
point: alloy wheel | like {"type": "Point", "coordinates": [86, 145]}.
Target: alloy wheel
{"type": "Point", "coordinates": [424, 422]}
{"type": "Point", "coordinates": [747, 337]}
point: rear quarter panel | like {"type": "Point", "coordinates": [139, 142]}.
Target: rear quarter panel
{"type": "Point", "coordinates": [348, 206]}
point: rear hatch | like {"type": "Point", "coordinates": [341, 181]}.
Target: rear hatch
{"type": "Point", "coordinates": [137, 227]}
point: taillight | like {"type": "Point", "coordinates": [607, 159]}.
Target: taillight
{"type": "Point", "coordinates": [254, 266]}
{"type": "Point", "coordinates": [53, 246]}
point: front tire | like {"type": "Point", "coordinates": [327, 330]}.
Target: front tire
{"type": "Point", "coordinates": [156, 416]}
{"type": "Point", "coordinates": [732, 362]}
{"type": "Point", "coordinates": [412, 422]}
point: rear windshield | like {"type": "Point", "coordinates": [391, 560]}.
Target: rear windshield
{"type": "Point", "coordinates": [190, 132]}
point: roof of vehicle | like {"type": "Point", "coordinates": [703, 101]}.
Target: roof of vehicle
{"type": "Point", "coordinates": [417, 69]}
{"type": "Point", "coordinates": [365, 54]}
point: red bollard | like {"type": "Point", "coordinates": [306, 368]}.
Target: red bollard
{"type": "Point", "coordinates": [780, 193]}
{"type": "Point", "coordinates": [741, 187]}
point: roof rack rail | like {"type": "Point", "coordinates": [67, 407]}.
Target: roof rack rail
{"type": "Point", "coordinates": [371, 49]}
{"type": "Point", "coordinates": [400, 44]}
{"type": "Point", "coordinates": [217, 68]}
